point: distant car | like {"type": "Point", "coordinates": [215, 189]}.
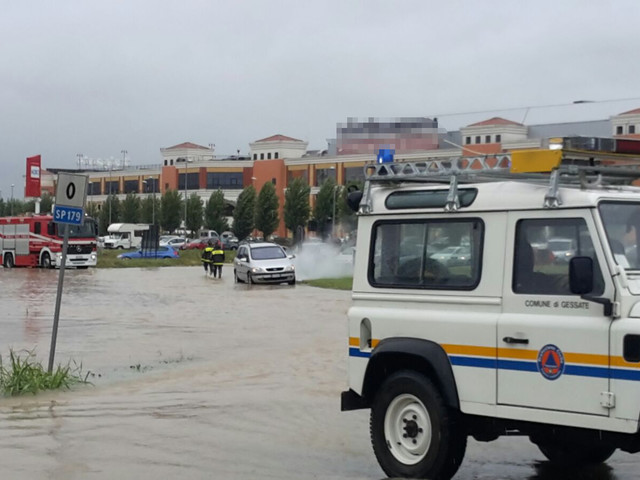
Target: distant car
{"type": "Point", "coordinates": [162, 252]}
{"type": "Point", "coordinates": [452, 256]}
{"type": "Point", "coordinates": [562, 249]}
{"type": "Point", "coordinates": [230, 243]}
{"type": "Point", "coordinates": [175, 242]}
{"type": "Point", "coordinates": [195, 244]}
{"type": "Point", "coordinates": [263, 263]}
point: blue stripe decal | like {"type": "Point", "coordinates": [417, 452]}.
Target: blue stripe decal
{"type": "Point", "coordinates": [473, 361]}
{"type": "Point", "coordinates": [582, 371]}
{"type": "Point", "coordinates": [355, 352]}
{"type": "Point", "coordinates": [519, 365]}
{"type": "Point", "coordinates": [620, 374]}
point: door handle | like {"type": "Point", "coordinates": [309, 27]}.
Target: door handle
{"type": "Point", "coordinates": [512, 340]}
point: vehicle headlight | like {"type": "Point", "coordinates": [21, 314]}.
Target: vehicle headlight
{"type": "Point", "coordinates": [93, 256]}
{"type": "Point", "coordinates": [290, 268]}
{"type": "Point", "coordinates": [257, 270]}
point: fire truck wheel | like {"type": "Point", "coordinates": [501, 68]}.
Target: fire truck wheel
{"type": "Point", "coordinates": [45, 260]}
{"type": "Point", "coordinates": [8, 261]}
{"type": "Point", "coordinates": [413, 433]}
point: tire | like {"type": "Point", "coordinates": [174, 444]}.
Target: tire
{"type": "Point", "coordinates": [292, 282]}
{"type": "Point", "coordinates": [575, 454]}
{"type": "Point", "coordinates": [413, 433]}
{"type": "Point", "coordinates": [249, 279]}
{"type": "Point", "coordinates": [82, 267]}
{"type": "Point", "coordinates": [8, 261]}
{"type": "Point", "coordinates": [120, 247]}
{"type": "Point", "coordinates": [235, 276]}
{"type": "Point", "coordinates": [45, 260]}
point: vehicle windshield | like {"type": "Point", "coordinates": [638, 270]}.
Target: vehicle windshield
{"type": "Point", "coordinates": [86, 230]}
{"type": "Point", "coordinates": [622, 223]}
{"type": "Point", "coordinates": [267, 253]}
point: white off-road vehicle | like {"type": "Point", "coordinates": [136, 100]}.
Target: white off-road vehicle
{"type": "Point", "coordinates": [495, 296]}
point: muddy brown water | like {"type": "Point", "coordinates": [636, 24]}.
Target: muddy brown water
{"type": "Point", "coordinates": [196, 378]}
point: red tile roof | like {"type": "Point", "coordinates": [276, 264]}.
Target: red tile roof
{"type": "Point", "coordinates": [278, 138]}
{"type": "Point", "coordinates": [187, 145]}
{"type": "Point", "coordinates": [495, 121]}
{"type": "Point", "coordinates": [631, 112]}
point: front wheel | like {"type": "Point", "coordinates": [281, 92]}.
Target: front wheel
{"type": "Point", "coordinates": [249, 279]}
{"type": "Point", "coordinates": [292, 281]}
{"type": "Point", "coordinates": [572, 454]}
{"type": "Point", "coordinates": [413, 433]}
{"type": "Point", "coordinates": [45, 261]}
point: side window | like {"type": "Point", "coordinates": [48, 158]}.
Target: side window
{"type": "Point", "coordinates": [543, 250]}
{"type": "Point", "coordinates": [427, 254]}
{"type": "Point", "coordinates": [37, 228]}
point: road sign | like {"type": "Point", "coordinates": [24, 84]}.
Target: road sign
{"type": "Point", "coordinates": [71, 215]}
{"type": "Point", "coordinates": [71, 190]}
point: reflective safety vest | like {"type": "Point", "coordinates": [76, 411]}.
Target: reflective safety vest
{"type": "Point", "coordinates": [206, 255]}
{"type": "Point", "coordinates": [217, 257]}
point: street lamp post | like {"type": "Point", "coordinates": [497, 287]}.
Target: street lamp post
{"type": "Point", "coordinates": [12, 185]}
{"type": "Point", "coordinates": [333, 218]}
{"type": "Point", "coordinates": [153, 204]}
{"type": "Point", "coordinates": [185, 197]}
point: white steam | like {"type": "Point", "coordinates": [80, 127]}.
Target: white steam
{"type": "Point", "coordinates": [322, 260]}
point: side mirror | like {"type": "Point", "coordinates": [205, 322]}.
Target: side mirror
{"type": "Point", "coordinates": [353, 200]}
{"type": "Point", "coordinates": [581, 275]}
{"type": "Point", "coordinates": [291, 257]}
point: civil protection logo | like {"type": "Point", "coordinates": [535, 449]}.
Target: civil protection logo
{"type": "Point", "coordinates": [550, 362]}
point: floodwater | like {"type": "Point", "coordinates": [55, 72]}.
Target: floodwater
{"type": "Point", "coordinates": [196, 378]}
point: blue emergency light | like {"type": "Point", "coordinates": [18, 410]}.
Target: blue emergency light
{"type": "Point", "coordinates": [385, 155]}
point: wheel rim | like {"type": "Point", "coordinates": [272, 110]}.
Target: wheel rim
{"type": "Point", "coordinates": [46, 260]}
{"type": "Point", "coordinates": [407, 429]}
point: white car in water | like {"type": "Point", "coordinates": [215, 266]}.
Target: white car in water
{"type": "Point", "coordinates": [263, 263]}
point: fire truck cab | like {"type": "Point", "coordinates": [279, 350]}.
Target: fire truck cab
{"type": "Point", "coordinates": [32, 241]}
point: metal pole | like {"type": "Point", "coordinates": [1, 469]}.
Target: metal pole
{"type": "Point", "coordinates": [153, 207]}
{"type": "Point", "coordinates": [185, 197]}
{"type": "Point", "coordinates": [56, 315]}
{"type": "Point", "coordinates": [333, 219]}
{"type": "Point", "coordinates": [12, 185]}
{"type": "Point", "coordinates": [110, 189]}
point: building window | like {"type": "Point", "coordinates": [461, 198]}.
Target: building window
{"type": "Point", "coordinates": [171, 162]}
{"type": "Point", "coordinates": [619, 130]}
{"type": "Point", "coordinates": [431, 254]}
{"type": "Point", "coordinates": [165, 162]}
{"type": "Point", "coordinates": [478, 139]}
{"type": "Point", "coordinates": [632, 129]}
{"type": "Point", "coordinates": [487, 139]}
{"type": "Point", "coordinates": [193, 181]}
{"type": "Point", "coordinates": [291, 174]}
{"type": "Point", "coordinates": [112, 187]}
{"type": "Point", "coordinates": [275, 155]}
{"type": "Point", "coordinates": [224, 180]}
{"type": "Point", "coordinates": [269, 156]}
{"type": "Point", "coordinates": [255, 156]}
{"type": "Point", "coordinates": [324, 174]}
{"type": "Point", "coordinates": [498, 138]}
{"type": "Point", "coordinates": [262, 156]}
{"type": "Point", "coordinates": [94, 188]}
{"type": "Point", "coordinates": [467, 140]}
{"type": "Point", "coordinates": [354, 174]}
{"type": "Point", "coordinates": [131, 186]}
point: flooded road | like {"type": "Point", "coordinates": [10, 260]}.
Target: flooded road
{"type": "Point", "coordinates": [196, 378]}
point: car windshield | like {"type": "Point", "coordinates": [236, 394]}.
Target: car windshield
{"type": "Point", "coordinates": [559, 244]}
{"type": "Point", "coordinates": [622, 223]}
{"type": "Point", "coordinates": [86, 230]}
{"type": "Point", "coordinates": [267, 253]}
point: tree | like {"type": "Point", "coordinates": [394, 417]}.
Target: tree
{"type": "Point", "coordinates": [323, 210]}
{"type": "Point", "coordinates": [92, 210]}
{"type": "Point", "coordinates": [194, 213]}
{"type": "Point", "coordinates": [244, 211]}
{"type": "Point", "coordinates": [296, 206]}
{"type": "Point", "coordinates": [110, 213]}
{"type": "Point", "coordinates": [214, 213]}
{"type": "Point", "coordinates": [2, 207]}
{"type": "Point", "coordinates": [150, 213]}
{"type": "Point", "coordinates": [131, 209]}
{"type": "Point", "coordinates": [266, 217]}
{"type": "Point", "coordinates": [170, 210]}
{"type": "Point", "coordinates": [46, 202]}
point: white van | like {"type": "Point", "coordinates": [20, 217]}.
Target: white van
{"type": "Point", "coordinates": [125, 235]}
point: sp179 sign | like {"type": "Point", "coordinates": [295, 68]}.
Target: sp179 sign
{"type": "Point", "coordinates": [70, 215]}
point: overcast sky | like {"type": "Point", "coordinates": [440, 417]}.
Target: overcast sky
{"type": "Point", "coordinates": [97, 77]}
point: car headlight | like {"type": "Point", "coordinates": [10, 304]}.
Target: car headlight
{"type": "Point", "coordinates": [257, 270]}
{"type": "Point", "coordinates": [290, 268]}
{"type": "Point", "coordinates": [93, 256]}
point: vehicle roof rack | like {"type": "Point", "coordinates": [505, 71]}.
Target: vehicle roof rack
{"type": "Point", "coordinates": [586, 169]}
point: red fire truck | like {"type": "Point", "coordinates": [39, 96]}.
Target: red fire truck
{"type": "Point", "coordinates": [33, 241]}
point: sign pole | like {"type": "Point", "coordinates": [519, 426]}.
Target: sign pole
{"type": "Point", "coordinates": [56, 315]}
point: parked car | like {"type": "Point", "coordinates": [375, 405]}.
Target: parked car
{"type": "Point", "coordinates": [452, 256]}
{"type": "Point", "coordinates": [195, 244]}
{"type": "Point", "coordinates": [562, 249]}
{"type": "Point", "coordinates": [175, 242]}
{"type": "Point", "coordinates": [162, 252]}
{"type": "Point", "coordinates": [263, 263]}
{"type": "Point", "coordinates": [230, 242]}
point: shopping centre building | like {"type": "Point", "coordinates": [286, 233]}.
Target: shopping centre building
{"type": "Point", "coordinates": [191, 168]}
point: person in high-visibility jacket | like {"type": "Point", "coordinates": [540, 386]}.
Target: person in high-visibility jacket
{"type": "Point", "coordinates": [217, 259]}
{"type": "Point", "coordinates": [206, 258]}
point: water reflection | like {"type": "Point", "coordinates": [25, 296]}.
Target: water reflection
{"type": "Point", "coordinates": [548, 471]}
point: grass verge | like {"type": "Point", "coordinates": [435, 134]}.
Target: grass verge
{"type": "Point", "coordinates": [24, 375]}
{"type": "Point", "coordinates": [188, 258]}
{"type": "Point", "coordinates": [342, 283]}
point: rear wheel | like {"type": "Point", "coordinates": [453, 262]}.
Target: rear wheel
{"type": "Point", "coordinates": [413, 433]}
{"type": "Point", "coordinates": [45, 260]}
{"type": "Point", "coordinates": [575, 454]}
{"type": "Point", "coordinates": [8, 261]}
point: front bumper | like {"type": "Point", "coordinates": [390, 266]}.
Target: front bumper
{"type": "Point", "coordinates": [76, 260]}
{"type": "Point", "coordinates": [277, 277]}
